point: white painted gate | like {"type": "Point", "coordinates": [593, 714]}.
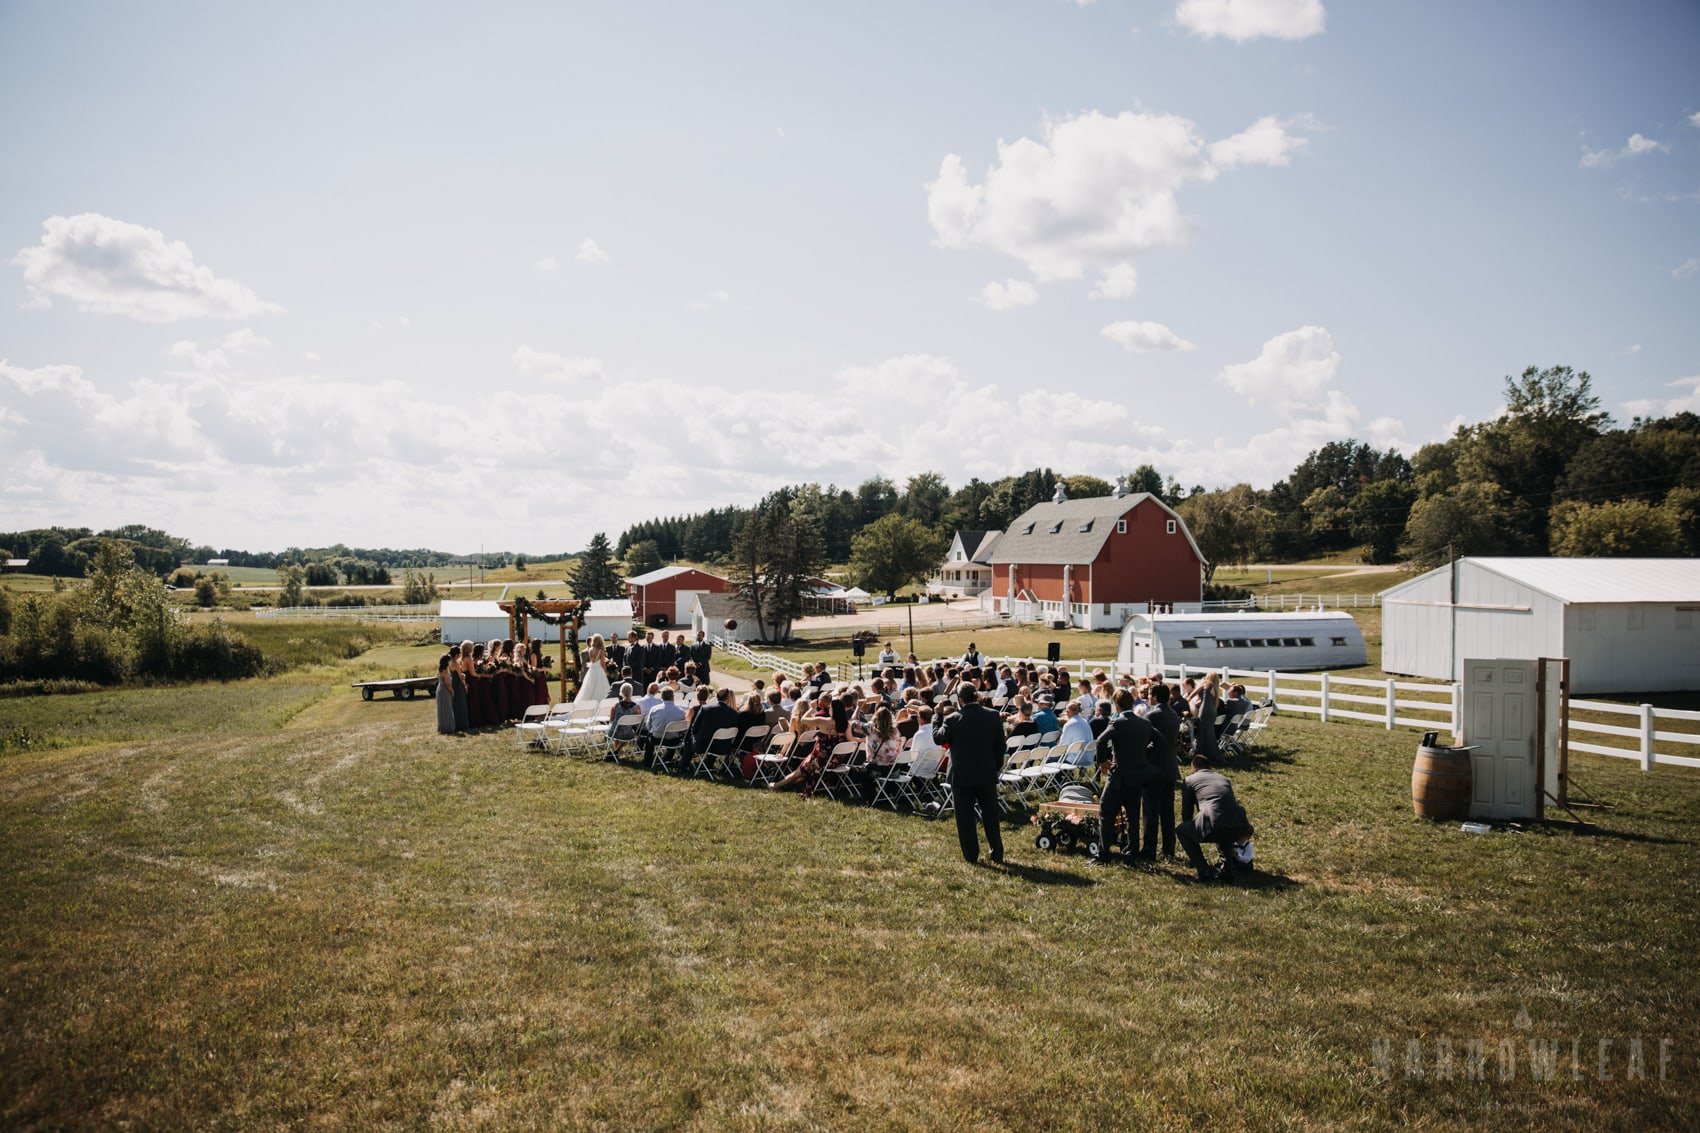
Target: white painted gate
{"type": "Point", "coordinates": [1502, 722]}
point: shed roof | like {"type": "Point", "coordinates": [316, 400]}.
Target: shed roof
{"type": "Point", "coordinates": [1084, 525]}
{"type": "Point", "coordinates": [609, 608]}
{"type": "Point", "coordinates": [1590, 580]}
{"type": "Point", "coordinates": [460, 608]}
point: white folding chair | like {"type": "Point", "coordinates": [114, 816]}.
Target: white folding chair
{"type": "Point", "coordinates": [847, 756]}
{"type": "Point", "coordinates": [720, 745]}
{"type": "Point", "coordinates": [529, 732]}
{"type": "Point", "coordinates": [575, 731]}
{"type": "Point", "coordinates": [669, 748]}
{"type": "Point", "coordinates": [620, 733]}
{"type": "Point", "coordinates": [773, 763]}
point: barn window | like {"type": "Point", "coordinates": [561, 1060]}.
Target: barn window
{"type": "Point", "coordinates": [1336, 641]}
{"type": "Point", "coordinates": [1171, 527]}
{"type": "Point", "coordinates": [1121, 527]}
{"type": "Point", "coordinates": [1307, 642]}
{"type": "Point", "coordinates": [1028, 530]}
{"type": "Point", "coordinates": [1290, 642]}
{"type": "Point", "coordinates": [1056, 527]}
{"type": "Point", "coordinates": [1085, 527]}
{"type": "Point", "coordinates": [1188, 643]}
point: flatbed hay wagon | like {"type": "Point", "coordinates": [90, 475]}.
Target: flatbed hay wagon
{"type": "Point", "coordinates": [402, 688]}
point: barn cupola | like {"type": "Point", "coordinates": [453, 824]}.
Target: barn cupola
{"type": "Point", "coordinates": [1062, 494]}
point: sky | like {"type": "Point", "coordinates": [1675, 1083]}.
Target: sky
{"type": "Point", "coordinates": [507, 275]}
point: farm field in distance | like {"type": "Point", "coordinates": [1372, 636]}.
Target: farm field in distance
{"type": "Point", "coordinates": [271, 903]}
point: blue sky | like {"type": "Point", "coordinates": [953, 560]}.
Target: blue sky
{"type": "Point", "coordinates": [506, 276]}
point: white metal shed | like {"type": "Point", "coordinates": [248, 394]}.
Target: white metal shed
{"type": "Point", "coordinates": [1295, 641]}
{"type": "Point", "coordinates": [485, 621]}
{"type": "Point", "coordinates": [610, 617]}
{"type": "Point", "coordinates": [1627, 625]}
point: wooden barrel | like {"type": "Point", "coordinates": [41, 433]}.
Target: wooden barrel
{"type": "Point", "coordinates": [1440, 783]}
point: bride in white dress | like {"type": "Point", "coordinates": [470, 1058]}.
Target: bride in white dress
{"type": "Point", "coordinates": [593, 681]}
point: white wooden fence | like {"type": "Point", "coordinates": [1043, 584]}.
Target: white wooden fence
{"type": "Point", "coordinates": [424, 613]}
{"type": "Point", "coordinates": [1646, 734]}
{"type": "Point", "coordinates": [1317, 601]}
{"type": "Point", "coordinates": [766, 662]}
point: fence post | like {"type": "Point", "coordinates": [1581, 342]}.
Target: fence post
{"type": "Point", "coordinates": [1325, 698]}
{"type": "Point", "coordinates": [1647, 728]}
{"type": "Point", "coordinates": [1392, 703]}
{"type": "Point", "coordinates": [1457, 707]}
{"type": "Point", "coordinates": [1183, 673]}
{"type": "Point", "coordinates": [1271, 685]}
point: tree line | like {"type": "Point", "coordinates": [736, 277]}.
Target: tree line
{"type": "Point", "coordinates": [1549, 475]}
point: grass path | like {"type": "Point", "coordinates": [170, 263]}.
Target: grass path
{"type": "Point", "coordinates": [273, 905]}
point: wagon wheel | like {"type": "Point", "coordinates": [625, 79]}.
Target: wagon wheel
{"type": "Point", "coordinates": [1067, 839]}
{"type": "Point", "coordinates": [1045, 840]}
{"type": "Point", "coordinates": [366, 694]}
{"type": "Point", "coordinates": [405, 693]}
{"type": "Point", "coordinates": [1095, 848]}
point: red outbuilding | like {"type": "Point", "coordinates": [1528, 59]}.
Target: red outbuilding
{"type": "Point", "coordinates": [1094, 562]}
{"type": "Point", "coordinates": [663, 597]}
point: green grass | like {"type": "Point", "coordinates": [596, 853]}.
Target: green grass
{"type": "Point", "coordinates": [271, 904]}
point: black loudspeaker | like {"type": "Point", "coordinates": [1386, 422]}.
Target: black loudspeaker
{"type": "Point", "coordinates": [1053, 652]}
{"type": "Point", "coordinates": [858, 647]}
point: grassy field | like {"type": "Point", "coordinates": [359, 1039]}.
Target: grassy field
{"type": "Point", "coordinates": [270, 904]}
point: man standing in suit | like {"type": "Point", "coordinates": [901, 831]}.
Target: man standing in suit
{"type": "Point", "coordinates": [1166, 772]}
{"type": "Point", "coordinates": [637, 656]}
{"type": "Point", "coordinates": [1126, 743]}
{"type": "Point", "coordinates": [702, 653]}
{"type": "Point", "coordinates": [1220, 819]}
{"type": "Point", "coordinates": [975, 738]}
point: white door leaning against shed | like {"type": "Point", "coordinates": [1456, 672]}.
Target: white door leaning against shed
{"type": "Point", "coordinates": [1500, 722]}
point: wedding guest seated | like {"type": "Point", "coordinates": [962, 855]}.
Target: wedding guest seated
{"type": "Point", "coordinates": [656, 721]}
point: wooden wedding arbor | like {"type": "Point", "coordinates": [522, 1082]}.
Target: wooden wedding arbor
{"type": "Point", "coordinates": [568, 613]}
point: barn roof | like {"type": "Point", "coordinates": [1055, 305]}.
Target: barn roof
{"type": "Point", "coordinates": [1592, 580]}
{"type": "Point", "coordinates": [663, 573]}
{"type": "Point", "coordinates": [1073, 531]}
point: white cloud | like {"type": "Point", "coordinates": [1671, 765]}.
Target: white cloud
{"type": "Point", "coordinates": [1264, 142]}
{"type": "Point", "coordinates": [235, 344]}
{"type": "Point", "coordinates": [1685, 269]}
{"type": "Point", "coordinates": [590, 252]}
{"type": "Point", "coordinates": [539, 365]}
{"type": "Point", "coordinates": [1694, 119]}
{"type": "Point", "coordinates": [1637, 145]}
{"type": "Point", "coordinates": [1687, 401]}
{"type": "Point", "coordinates": [1009, 294]}
{"type": "Point", "coordinates": [1240, 20]}
{"type": "Point", "coordinates": [1095, 194]}
{"type": "Point", "coordinates": [1144, 338]}
{"type": "Point", "coordinates": [1634, 348]}
{"type": "Point", "coordinates": [547, 263]}
{"type": "Point", "coordinates": [1118, 281]}
{"type": "Point", "coordinates": [111, 267]}
{"type": "Point", "coordinates": [311, 356]}
{"type": "Point", "coordinates": [1293, 369]}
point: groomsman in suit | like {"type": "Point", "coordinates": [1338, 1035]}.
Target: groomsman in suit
{"type": "Point", "coordinates": [1165, 762]}
{"type": "Point", "coordinates": [641, 657]}
{"type": "Point", "coordinates": [702, 653]}
{"type": "Point", "coordinates": [1126, 742]}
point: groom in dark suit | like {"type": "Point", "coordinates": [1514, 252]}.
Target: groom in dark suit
{"type": "Point", "coordinates": [975, 738]}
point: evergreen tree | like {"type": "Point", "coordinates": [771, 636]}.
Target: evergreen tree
{"type": "Point", "coordinates": [594, 575]}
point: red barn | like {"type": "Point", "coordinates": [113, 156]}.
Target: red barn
{"type": "Point", "coordinates": [1094, 562]}
{"type": "Point", "coordinates": [663, 597]}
